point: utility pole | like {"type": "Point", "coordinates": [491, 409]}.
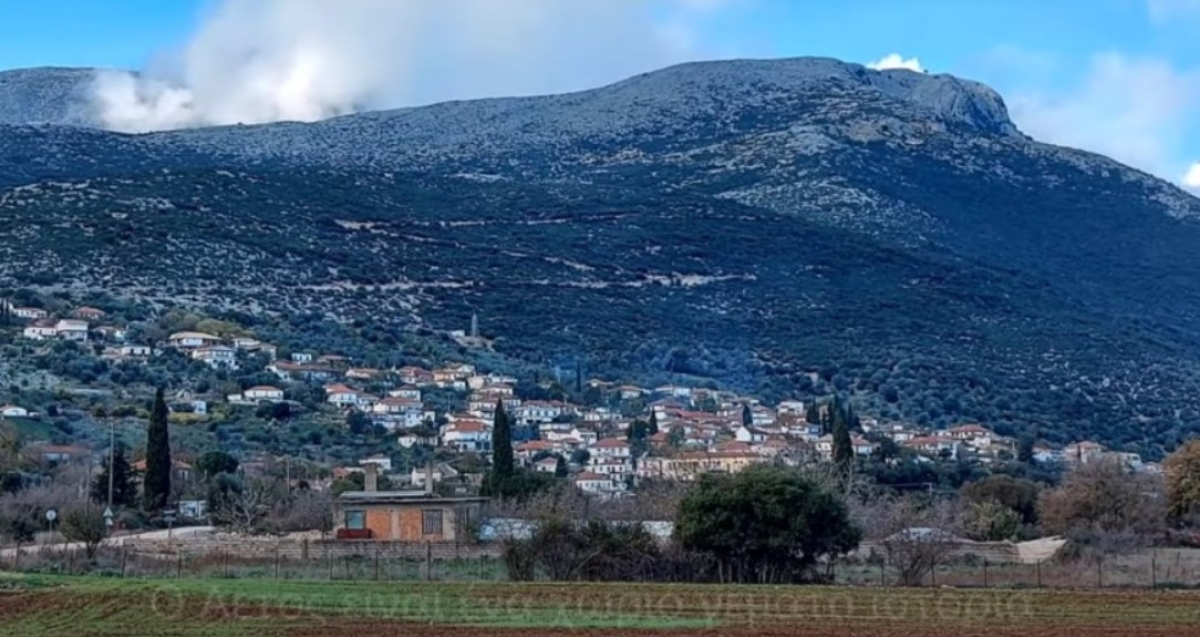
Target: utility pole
{"type": "Point", "coordinates": [112, 452]}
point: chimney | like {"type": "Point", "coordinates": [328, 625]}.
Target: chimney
{"type": "Point", "coordinates": [429, 477]}
{"type": "Point", "coordinates": [371, 478]}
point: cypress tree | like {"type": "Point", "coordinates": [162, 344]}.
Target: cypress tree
{"type": "Point", "coordinates": [653, 422]}
{"type": "Point", "coordinates": [1025, 449]}
{"type": "Point", "coordinates": [843, 447]}
{"type": "Point", "coordinates": [502, 449]}
{"type": "Point", "coordinates": [156, 485]}
{"type": "Point", "coordinates": [813, 415]}
{"type": "Point", "coordinates": [124, 486]}
{"type": "Point", "coordinates": [747, 415]}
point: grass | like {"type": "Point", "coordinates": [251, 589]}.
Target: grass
{"type": "Point", "coordinates": [103, 605]}
{"type": "Point", "coordinates": [60, 606]}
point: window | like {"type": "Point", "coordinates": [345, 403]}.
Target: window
{"type": "Point", "coordinates": [356, 520]}
{"type": "Point", "coordinates": [431, 521]}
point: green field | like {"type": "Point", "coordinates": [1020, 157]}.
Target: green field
{"type": "Point", "coordinates": [45, 606]}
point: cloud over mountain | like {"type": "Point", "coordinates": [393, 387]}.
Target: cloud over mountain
{"type": "Point", "coordinates": [254, 61]}
{"type": "Point", "coordinates": [896, 61]}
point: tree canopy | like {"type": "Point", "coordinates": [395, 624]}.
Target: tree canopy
{"type": "Point", "coordinates": [212, 463]}
{"type": "Point", "coordinates": [1182, 472]}
{"type": "Point", "coordinates": [124, 486]}
{"type": "Point", "coordinates": [1017, 494]}
{"type": "Point", "coordinates": [765, 524]}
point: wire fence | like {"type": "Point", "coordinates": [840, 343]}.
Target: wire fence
{"type": "Point", "coordinates": [377, 561]}
{"type": "Point", "coordinates": [366, 561]}
{"type": "Point", "coordinates": [1161, 568]}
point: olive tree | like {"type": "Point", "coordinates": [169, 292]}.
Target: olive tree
{"type": "Point", "coordinates": [766, 524]}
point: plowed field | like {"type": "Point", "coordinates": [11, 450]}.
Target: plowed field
{"type": "Point", "coordinates": [70, 607]}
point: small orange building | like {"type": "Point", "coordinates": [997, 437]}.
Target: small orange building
{"type": "Point", "coordinates": [404, 516]}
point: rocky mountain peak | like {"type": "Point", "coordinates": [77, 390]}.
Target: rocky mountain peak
{"type": "Point", "coordinates": [946, 97]}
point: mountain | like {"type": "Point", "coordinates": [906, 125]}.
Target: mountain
{"type": "Point", "coordinates": [791, 226]}
{"type": "Point", "coordinates": [46, 96]}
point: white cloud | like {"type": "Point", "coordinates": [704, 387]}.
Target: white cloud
{"type": "Point", "coordinates": [1135, 110]}
{"type": "Point", "coordinates": [1191, 179]}
{"type": "Point", "coordinates": [255, 61]}
{"type": "Point", "coordinates": [896, 61]}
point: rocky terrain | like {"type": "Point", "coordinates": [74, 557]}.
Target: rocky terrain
{"type": "Point", "coordinates": [749, 221]}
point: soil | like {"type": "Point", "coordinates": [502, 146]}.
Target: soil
{"type": "Point", "coordinates": [749, 612]}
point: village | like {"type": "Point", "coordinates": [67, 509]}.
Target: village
{"type": "Point", "coordinates": [633, 434]}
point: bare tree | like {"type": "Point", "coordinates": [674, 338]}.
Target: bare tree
{"type": "Point", "coordinates": [1103, 505]}
{"type": "Point", "coordinates": [305, 511]}
{"type": "Point", "coordinates": [22, 514]}
{"type": "Point", "coordinates": [243, 510]}
{"type": "Point", "coordinates": [916, 534]}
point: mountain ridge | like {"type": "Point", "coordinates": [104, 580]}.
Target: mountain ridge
{"type": "Point", "coordinates": [750, 227]}
{"type": "Point", "coordinates": [951, 97]}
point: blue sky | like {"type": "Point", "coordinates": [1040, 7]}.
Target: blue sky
{"type": "Point", "coordinates": [1120, 77]}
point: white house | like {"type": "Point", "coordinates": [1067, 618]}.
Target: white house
{"type": "Point", "coordinates": [405, 420]}
{"type": "Point", "coordinates": [192, 340]}
{"type": "Point", "coordinates": [674, 390]}
{"type": "Point", "coordinates": [527, 450]}
{"type": "Point", "coordinates": [616, 469]}
{"type": "Point", "coordinates": [72, 329]}
{"type": "Point", "coordinates": [384, 463]}
{"type": "Point", "coordinates": [862, 447]}
{"type": "Point", "coordinates": [30, 313]}
{"type": "Point", "coordinates": [600, 414]}
{"type": "Point", "coordinates": [407, 392]}
{"type": "Point", "coordinates": [440, 473]}
{"type": "Point", "coordinates": [535, 412]}
{"type": "Point", "coordinates": [394, 405]}
{"type": "Point", "coordinates": [824, 446]}
{"type": "Point", "coordinates": [935, 445]}
{"type": "Point", "coordinates": [751, 435]}
{"type": "Point", "coordinates": [590, 482]}
{"type": "Point", "coordinates": [40, 331]}
{"type": "Point", "coordinates": [790, 407]}
{"type": "Point", "coordinates": [974, 435]}
{"type": "Point", "coordinates": [12, 411]}
{"type": "Point", "coordinates": [216, 356]}
{"type": "Point", "coordinates": [417, 376]}
{"type": "Point", "coordinates": [112, 333]}
{"type": "Point", "coordinates": [762, 416]}
{"type": "Point", "coordinates": [549, 464]}
{"type": "Point", "coordinates": [630, 392]}
{"type": "Point", "coordinates": [468, 436]}
{"type": "Point", "coordinates": [499, 379]}
{"type": "Point", "coordinates": [399, 412]}
{"type": "Point", "coordinates": [264, 392]}
{"type": "Point", "coordinates": [585, 436]}
{"type": "Point", "coordinates": [611, 457]}
{"type": "Point", "coordinates": [246, 343]}
{"type": "Point", "coordinates": [342, 396]}
{"type": "Point", "coordinates": [135, 351]}
{"type": "Point", "coordinates": [287, 370]}
{"type": "Point", "coordinates": [410, 439]}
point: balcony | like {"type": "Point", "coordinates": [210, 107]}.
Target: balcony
{"type": "Point", "coordinates": [354, 534]}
